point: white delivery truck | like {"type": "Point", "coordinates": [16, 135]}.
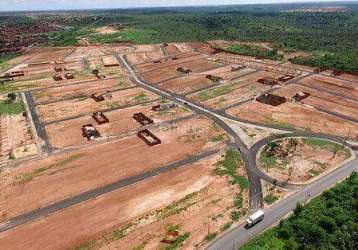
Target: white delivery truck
{"type": "Point", "coordinates": [255, 218]}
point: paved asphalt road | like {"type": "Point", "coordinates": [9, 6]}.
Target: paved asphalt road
{"type": "Point", "coordinates": [239, 235]}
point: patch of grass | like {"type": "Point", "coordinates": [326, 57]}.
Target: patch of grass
{"type": "Point", "coordinates": [211, 236]}
{"type": "Point", "coordinates": [229, 164]}
{"type": "Point", "coordinates": [270, 198]}
{"type": "Point", "coordinates": [218, 138]}
{"type": "Point", "coordinates": [7, 107]}
{"type": "Point", "coordinates": [238, 201]}
{"type": "Point", "coordinates": [226, 226]}
{"type": "Point", "coordinates": [178, 206]}
{"type": "Point", "coordinates": [268, 161]}
{"type": "Point", "coordinates": [4, 59]}
{"type": "Point", "coordinates": [241, 181]}
{"type": "Point", "coordinates": [142, 97]}
{"type": "Point", "coordinates": [178, 242]}
{"type": "Point", "coordinates": [126, 35]}
{"type": "Point", "coordinates": [272, 121]}
{"type": "Point", "coordinates": [86, 246]}
{"type": "Point", "coordinates": [313, 172]}
{"type": "Point", "coordinates": [235, 215]}
{"type": "Point", "coordinates": [331, 146]}
{"type": "Point", "coordinates": [209, 94]}
{"type": "Point", "coordinates": [26, 177]}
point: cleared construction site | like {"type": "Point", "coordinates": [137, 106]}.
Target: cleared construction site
{"type": "Point", "coordinates": [101, 121]}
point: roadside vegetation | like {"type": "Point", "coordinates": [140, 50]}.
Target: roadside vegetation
{"type": "Point", "coordinates": [11, 105]}
{"type": "Point", "coordinates": [327, 222]}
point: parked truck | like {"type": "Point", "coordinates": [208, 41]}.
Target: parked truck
{"type": "Point", "coordinates": [255, 218]}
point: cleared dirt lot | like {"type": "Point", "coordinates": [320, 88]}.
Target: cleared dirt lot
{"type": "Point", "coordinates": [186, 84]}
{"type": "Point", "coordinates": [65, 109]}
{"type": "Point", "coordinates": [295, 115]}
{"type": "Point", "coordinates": [193, 186]}
{"type": "Point", "coordinates": [47, 54]}
{"type": "Point", "coordinates": [166, 62]}
{"type": "Point", "coordinates": [300, 159]}
{"type": "Point", "coordinates": [163, 74]}
{"type": "Point", "coordinates": [80, 90]}
{"type": "Point", "coordinates": [334, 85]}
{"type": "Point", "coordinates": [322, 100]}
{"type": "Point", "coordinates": [68, 133]}
{"type": "Point", "coordinates": [241, 89]}
{"type": "Point", "coordinates": [38, 183]}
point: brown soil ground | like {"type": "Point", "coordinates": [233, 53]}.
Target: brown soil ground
{"type": "Point", "coordinates": [70, 173]}
{"type": "Point", "coordinates": [68, 133]}
{"type": "Point", "coordinates": [47, 54]}
{"type": "Point", "coordinates": [88, 51]}
{"type": "Point", "coordinates": [106, 30]}
{"type": "Point", "coordinates": [68, 108]}
{"type": "Point", "coordinates": [349, 77]}
{"type": "Point", "coordinates": [43, 81]}
{"type": "Point", "coordinates": [304, 163]}
{"type": "Point", "coordinates": [166, 62]}
{"type": "Point", "coordinates": [331, 84]}
{"type": "Point", "coordinates": [299, 67]}
{"type": "Point", "coordinates": [143, 57]}
{"type": "Point", "coordinates": [296, 115]}
{"type": "Point", "coordinates": [172, 49]}
{"type": "Point", "coordinates": [186, 84]}
{"type": "Point", "coordinates": [80, 90]}
{"type": "Point", "coordinates": [14, 132]}
{"type": "Point", "coordinates": [169, 72]}
{"type": "Point", "coordinates": [322, 100]}
{"type": "Point", "coordinates": [242, 89]}
{"type": "Point", "coordinates": [209, 208]}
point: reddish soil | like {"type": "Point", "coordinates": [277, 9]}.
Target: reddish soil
{"type": "Point", "coordinates": [304, 163]}
{"type": "Point", "coordinates": [186, 84]}
{"type": "Point", "coordinates": [243, 88]}
{"type": "Point", "coordinates": [47, 54]}
{"type": "Point", "coordinates": [172, 49]}
{"type": "Point", "coordinates": [80, 90]}
{"type": "Point", "coordinates": [70, 173]}
{"type": "Point", "coordinates": [296, 115]}
{"type": "Point", "coordinates": [65, 109]}
{"type": "Point", "coordinates": [166, 62]}
{"type": "Point", "coordinates": [332, 84]}
{"type": "Point", "coordinates": [322, 100]}
{"type": "Point", "coordinates": [91, 219]}
{"type": "Point", "coordinates": [68, 133]}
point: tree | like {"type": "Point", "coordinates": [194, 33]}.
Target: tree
{"type": "Point", "coordinates": [11, 97]}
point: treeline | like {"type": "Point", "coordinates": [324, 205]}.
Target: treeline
{"type": "Point", "coordinates": [329, 221]}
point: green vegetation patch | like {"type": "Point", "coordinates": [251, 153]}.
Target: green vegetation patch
{"type": "Point", "coordinates": [270, 198]}
{"type": "Point", "coordinates": [178, 242]}
{"type": "Point", "coordinates": [347, 62]}
{"type": "Point", "coordinates": [209, 94]}
{"type": "Point", "coordinates": [254, 50]}
{"type": "Point", "coordinates": [4, 59]}
{"type": "Point", "coordinates": [11, 107]}
{"type": "Point", "coordinates": [328, 145]}
{"type": "Point", "coordinates": [178, 206]}
{"type": "Point", "coordinates": [126, 35]}
{"type": "Point", "coordinates": [327, 222]}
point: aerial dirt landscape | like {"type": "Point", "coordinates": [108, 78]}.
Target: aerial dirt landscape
{"type": "Point", "coordinates": [111, 141]}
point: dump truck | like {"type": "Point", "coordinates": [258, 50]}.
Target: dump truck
{"type": "Point", "coordinates": [255, 218]}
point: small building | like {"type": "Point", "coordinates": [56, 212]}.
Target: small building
{"type": "Point", "coordinates": [299, 96]}
{"type": "Point", "coordinates": [148, 137]}
{"type": "Point", "coordinates": [90, 132]}
{"type": "Point", "coordinates": [183, 70]}
{"type": "Point", "coordinates": [270, 99]}
{"type": "Point", "coordinates": [69, 76]}
{"type": "Point", "coordinates": [58, 68]}
{"type": "Point", "coordinates": [285, 78]}
{"type": "Point", "coordinates": [214, 78]}
{"type": "Point", "coordinates": [23, 151]}
{"type": "Point", "coordinates": [57, 77]}
{"type": "Point", "coordinates": [97, 97]}
{"type": "Point", "coordinates": [157, 61]}
{"type": "Point", "coordinates": [110, 61]}
{"type": "Point", "coordinates": [268, 81]}
{"type": "Point", "coordinates": [236, 67]}
{"type": "Point", "coordinates": [142, 119]}
{"type": "Point", "coordinates": [100, 118]}
{"type": "Point", "coordinates": [163, 107]}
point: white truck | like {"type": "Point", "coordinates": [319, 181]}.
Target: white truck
{"type": "Point", "coordinates": [255, 218]}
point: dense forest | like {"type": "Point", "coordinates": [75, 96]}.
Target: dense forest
{"type": "Point", "coordinates": [329, 221]}
{"type": "Point", "coordinates": [331, 37]}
